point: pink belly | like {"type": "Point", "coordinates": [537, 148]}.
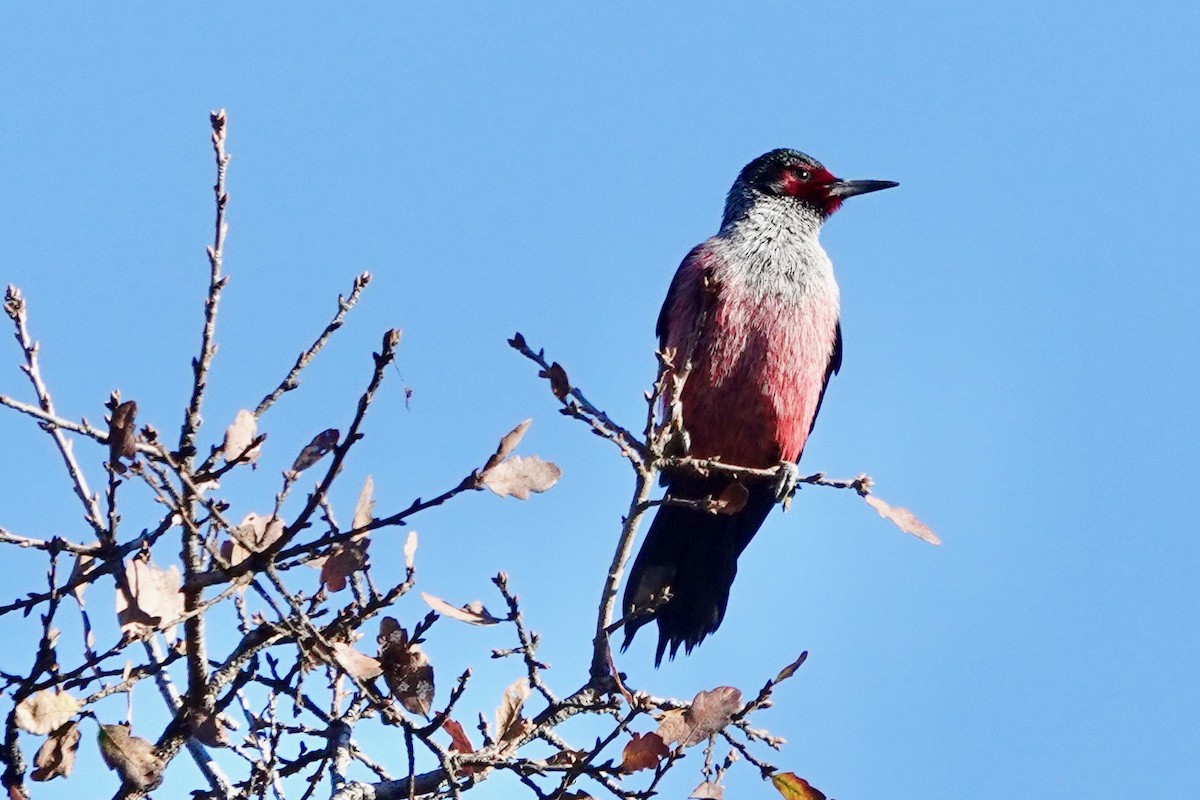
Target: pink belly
{"type": "Point", "coordinates": [757, 378]}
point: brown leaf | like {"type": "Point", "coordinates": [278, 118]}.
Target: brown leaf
{"type": "Point", "coordinates": [122, 434]}
{"type": "Point", "coordinates": [507, 445]}
{"type": "Point", "coordinates": [56, 756]}
{"type": "Point", "coordinates": [132, 757]}
{"type": "Point", "coordinates": [793, 787]}
{"type": "Point", "coordinates": [473, 612]}
{"type": "Point", "coordinates": [406, 669]}
{"type": "Point", "coordinates": [903, 519]}
{"type": "Point", "coordinates": [239, 436]}
{"type": "Point", "coordinates": [791, 668]}
{"type": "Point", "coordinates": [410, 549]}
{"type": "Point", "coordinates": [315, 450]}
{"type": "Point", "coordinates": [708, 791]}
{"type": "Point", "coordinates": [256, 533]}
{"type": "Point", "coordinates": [709, 712]}
{"type": "Point", "coordinates": [364, 508]}
{"type": "Point", "coordinates": [558, 380]}
{"type": "Point", "coordinates": [83, 562]}
{"type": "Point", "coordinates": [356, 664]}
{"type": "Point", "coordinates": [517, 477]}
{"type": "Point", "coordinates": [45, 711]}
{"type": "Point", "coordinates": [341, 563]}
{"type": "Point", "coordinates": [510, 725]}
{"type": "Point", "coordinates": [567, 758]}
{"type": "Point", "coordinates": [209, 729]}
{"type": "Point", "coordinates": [732, 499]}
{"type": "Point", "coordinates": [643, 752]}
{"type": "Point", "coordinates": [156, 596]}
{"type": "Point", "coordinates": [459, 742]}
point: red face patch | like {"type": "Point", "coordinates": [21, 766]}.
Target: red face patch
{"type": "Point", "coordinates": [810, 184]}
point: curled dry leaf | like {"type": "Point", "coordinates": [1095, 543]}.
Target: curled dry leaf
{"type": "Point", "coordinates": [56, 756]}
{"type": "Point", "coordinates": [45, 711]}
{"type": "Point", "coordinates": [365, 507]}
{"type": "Point", "coordinates": [238, 438]}
{"type": "Point", "coordinates": [709, 712]}
{"type": "Point", "coordinates": [155, 601]}
{"type": "Point", "coordinates": [122, 434]}
{"type": "Point", "coordinates": [507, 445]}
{"type": "Point", "coordinates": [791, 668]}
{"type": "Point", "coordinates": [903, 519]}
{"type": "Point", "coordinates": [356, 664]}
{"type": "Point", "coordinates": [459, 742]}
{"type": "Point", "coordinates": [732, 499]}
{"type": "Point", "coordinates": [315, 450]}
{"type": "Point", "coordinates": [210, 729]}
{"type": "Point", "coordinates": [410, 549]}
{"type": "Point", "coordinates": [473, 612]}
{"type": "Point", "coordinates": [517, 477]}
{"type": "Point", "coordinates": [132, 757]}
{"type": "Point", "coordinates": [344, 560]}
{"type": "Point", "coordinates": [793, 787]}
{"type": "Point", "coordinates": [255, 533]}
{"type": "Point", "coordinates": [643, 752]}
{"type": "Point", "coordinates": [708, 791]}
{"type": "Point", "coordinates": [558, 380]}
{"type": "Point", "coordinates": [406, 669]}
{"type": "Point", "coordinates": [510, 725]}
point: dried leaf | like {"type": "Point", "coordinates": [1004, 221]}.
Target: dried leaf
{"type": "Point", "coordinates": [157, 598]}
{"type": "Point", "coordinates": [56, 756]}
{"type": "Point", "coordinates": [507, 445]}
{"type": "Point", "coordinates": [791, 668]}
{"type": "Point", "coordinates": [558, 380]}
{"type": "Point", "coordinates": [406, 669]}
{"type": "Point", "coordinates": [459, 742]}
{"type": "Point", "coordinates": [643, 752]}
{"type": "Point", "coordinates": [210, 729]}
{"type": "Point", "coordinates": [256, 533]}
{"type": "Point", "coordinates": [510, 725]}
{"type": "Point", "coordinates": [903, 519]}
{"type": "Point", "coordinates": [122, 434]}
{"type": "Point", "coordinates": [732, 499]}
{"type": "Point", "coordinates": [132, 757]}
{"type": "Point", "coordinates": [567, 758]}
{"type": "Point", "coordinates": [341, 563]}
{"type": "Point", "coordinates": [355, 663]}
{"type": "Point", "coordinates": [473, 612]}
{"type": "Point", "coordinates": [45, 711]}
{"type": "Point", "coordinates": [708, 791]}
{"type": "Point", "coordinates": [793, 787]}
{"type": "Point", "coordinates": [709, 712]}
{"type": "Point", "coordinates": [239, 436]}
{"type": "Point", "coordinates": [83, 563]}
{"type": "Point", "coordinates": [315, 450]}
{"type": "Point", "coordinates": [364, 508]}
{"type": "Point", "coordinates": [410, 549]}
{"type": "Point", "coordinates": [518, 476]}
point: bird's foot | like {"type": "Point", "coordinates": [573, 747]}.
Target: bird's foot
{"type": "Point", "coordinates": [786, 480]}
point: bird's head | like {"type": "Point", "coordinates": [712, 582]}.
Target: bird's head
{"type": "Point", "coordinates": [796, 177]}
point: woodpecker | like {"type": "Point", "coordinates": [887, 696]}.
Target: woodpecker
{"type": "Point", "coordinates": [769, 339]}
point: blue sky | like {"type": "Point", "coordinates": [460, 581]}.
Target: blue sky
{"type": "Point", "coordinates": [1020, 320]}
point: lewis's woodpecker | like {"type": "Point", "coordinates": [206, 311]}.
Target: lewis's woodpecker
{"type": "Point", "coordinates": [768, 341]}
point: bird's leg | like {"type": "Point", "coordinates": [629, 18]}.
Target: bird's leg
{"type": "Point", "coordinates": [786, 480]}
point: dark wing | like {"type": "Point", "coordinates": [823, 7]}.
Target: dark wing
{"type": "Point", "coordinates": [835, 364]}
{"type": "Point", "coordinates": [684, 281]}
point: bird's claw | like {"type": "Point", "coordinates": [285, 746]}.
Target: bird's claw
{"type": "Point", "coordinates": [786, 480]}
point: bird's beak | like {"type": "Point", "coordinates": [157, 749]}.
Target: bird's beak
{"type": "Point", "coordinates": [844, 189]}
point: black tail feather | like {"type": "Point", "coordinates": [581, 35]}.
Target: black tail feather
{"type": "Point", "coordinates": [695, 554]}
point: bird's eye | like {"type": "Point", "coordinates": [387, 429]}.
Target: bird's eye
{"type": "Point", "coordinates": [803, 174]}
